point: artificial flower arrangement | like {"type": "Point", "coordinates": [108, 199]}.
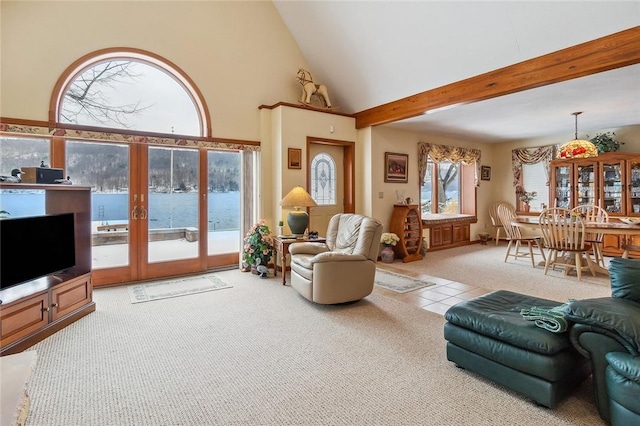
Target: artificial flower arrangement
{"type": "Point", "coordinates": [578, 149]}
{"type": "Point", "coordinates": [258, 244]}
{"type": "Point", "coordinates": [524, 196]}
{"type": "Point", "coordinates": [389, 239]}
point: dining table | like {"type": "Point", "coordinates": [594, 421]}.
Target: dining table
{"type": "Point", "coordinates": [612, 228]}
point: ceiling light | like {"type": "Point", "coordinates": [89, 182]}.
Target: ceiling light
{"type": "Point", "coordinates": [578, 148]}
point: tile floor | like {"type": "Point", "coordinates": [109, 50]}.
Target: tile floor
{"type": "Point", "coordinates": [437, 298]}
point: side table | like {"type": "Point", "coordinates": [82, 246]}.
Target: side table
{"type": "Point", "coordinates": [281, 245]}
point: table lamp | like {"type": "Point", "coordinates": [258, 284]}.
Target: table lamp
{"type": "Point", "coordinates": [298, 220]}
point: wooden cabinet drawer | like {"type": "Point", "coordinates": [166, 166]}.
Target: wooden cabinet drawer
{"type": "Point", "coordinates": [70, 296]}
{"type": "Point", "coordinates": [23, 317]}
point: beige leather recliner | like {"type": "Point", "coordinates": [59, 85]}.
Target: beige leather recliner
{"type": "Point", "coordinates": [342, 269]}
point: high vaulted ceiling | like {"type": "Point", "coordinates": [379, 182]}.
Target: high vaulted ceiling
{"type": "Point", "coordinates": [370, 53]}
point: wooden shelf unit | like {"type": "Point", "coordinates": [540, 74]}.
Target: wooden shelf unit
{"type": "Point", "coordinates": [407, 225]}
{"type": "Point", "coordinates": [34, 310]}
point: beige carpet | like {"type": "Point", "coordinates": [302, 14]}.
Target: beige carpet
{"type": "Point", "coordinates": [260, 354]}
{"type": "Point", "coordinates": [399, 283]}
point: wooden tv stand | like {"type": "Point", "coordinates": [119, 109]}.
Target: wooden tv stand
{"type": "Point", "coordinates": [34, 310]}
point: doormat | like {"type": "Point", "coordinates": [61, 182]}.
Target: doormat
{"type": "Point", "coordinates": [399, 283]}
{"type": "Point", "coordinates": [166, 289]}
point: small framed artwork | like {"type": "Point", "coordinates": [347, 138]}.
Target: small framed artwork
{"type": "Point", "coordinates": [396, 167]}
{"type": "Point", "coordinates": [295, 158]}
{"type": "Point", "coordinates": [485, 173]}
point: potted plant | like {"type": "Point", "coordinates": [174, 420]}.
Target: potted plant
{"type": "Point", "coordinates": [389, 239]}
{"type": "Point", "coordinates": [526, 197]}
{"type": "Point", "coordinates": [605, 142]}
{"type": "Point", "coordinates": [258, 246]}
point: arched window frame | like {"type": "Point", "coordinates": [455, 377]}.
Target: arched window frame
{"type": "Point", "coordinates": [127, 54]}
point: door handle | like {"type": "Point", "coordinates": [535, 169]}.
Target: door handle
{"type": "Point", "coordinates": [134, 213]}
{"type": "Point", "coordinates": [143, 213]}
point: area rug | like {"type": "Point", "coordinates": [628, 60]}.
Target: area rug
{"type": "Point", "coordinates": [166, 289]}
{"type": "Point", "coordinates": [399, 283]}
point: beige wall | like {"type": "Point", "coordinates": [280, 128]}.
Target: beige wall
{"type": "Point", "coordinates": [289, 128]}
{"type": "Point", "coordinates": [388, 139]}
{"type": "Point", "coordinates": [239, 54]}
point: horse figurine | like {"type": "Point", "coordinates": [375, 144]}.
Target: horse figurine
{"type": "Point", "coordinates": [310, 88]}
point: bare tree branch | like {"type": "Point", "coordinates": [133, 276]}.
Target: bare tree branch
{"type": "Point", "coordinates": [86, 97]}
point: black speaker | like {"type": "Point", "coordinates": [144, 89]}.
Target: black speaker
{"type": "Point", "coordinates": [40, 174]}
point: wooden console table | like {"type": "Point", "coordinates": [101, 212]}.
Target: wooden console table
{"type": "Point", "coordinates": [281, 245]}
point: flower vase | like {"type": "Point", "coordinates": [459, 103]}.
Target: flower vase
{"type": "Point", "coordinates": [387, 255]}
{"type": "Point", "coordinates": [527, 208]}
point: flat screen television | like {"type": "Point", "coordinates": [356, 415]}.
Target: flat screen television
{"type": "Point", "coordinates": [34, 247]}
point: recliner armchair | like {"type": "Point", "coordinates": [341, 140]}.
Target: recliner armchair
{"type": "Point", "coordinates": [342, 269]}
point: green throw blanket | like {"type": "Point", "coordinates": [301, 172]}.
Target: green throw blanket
{"type": "Point", "coordinates": [551, 319]}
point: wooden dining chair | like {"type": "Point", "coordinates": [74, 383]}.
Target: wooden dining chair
{"type": "Point", "coordinates": [593, 213]}
{"type": "Point", "coordinates": [565, 236]}
{"type": "Point", "coordinates": [495, 218]}
{"type": "Point", "coordinates": [515, 239]}
{"type": "Point", "coordinates": [628, 248]}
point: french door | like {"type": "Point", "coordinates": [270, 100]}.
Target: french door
{"type": "Point", "coordinates": [156, 210]}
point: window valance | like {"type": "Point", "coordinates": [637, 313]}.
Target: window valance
{"type": "Point", "coordinates": [439, 153]}
{"type": "Point", "coordinates": [530, 156]}
{"type": "Point", "coordinates": [89, 135]}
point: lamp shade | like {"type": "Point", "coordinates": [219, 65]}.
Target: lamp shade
{"type": "Point", "coordinates": [578, 148]}
{"type": "Point", "coordinates": [298, 220]}
{"type": "Point", "coordinates": [298, 197]}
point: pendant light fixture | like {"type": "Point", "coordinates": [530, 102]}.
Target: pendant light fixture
{"type": "Point", "coordinates": [578, 148]}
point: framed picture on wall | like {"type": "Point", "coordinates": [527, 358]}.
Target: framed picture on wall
{"type": "Point", "coordinates": [485, 173]}
{"type": "Point", "coordinates": [396, 167]}
{"type": "Point", "coordinates": [295, 158]}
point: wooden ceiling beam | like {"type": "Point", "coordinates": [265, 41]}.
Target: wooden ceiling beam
{"type": "Point", "coordinates": [603, 54]}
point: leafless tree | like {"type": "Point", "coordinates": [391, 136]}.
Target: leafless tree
{"type": "Point", "coordinates": [86, 96]}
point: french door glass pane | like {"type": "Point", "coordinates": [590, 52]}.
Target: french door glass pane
{"type": "Point", "coordinates": [223, 202]}
{"type": "Point", "coordinates": [105, 168]}
{"type": "Point", "coordinates": [173, 204]}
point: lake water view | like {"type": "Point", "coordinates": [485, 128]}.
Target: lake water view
{"type": "Point", "coordinates": [174, 210]}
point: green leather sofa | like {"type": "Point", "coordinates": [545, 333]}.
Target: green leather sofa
{"type": "Point", "coordinates": [623, 388]}
{"type": "Point", "coordinates": [610, 324]}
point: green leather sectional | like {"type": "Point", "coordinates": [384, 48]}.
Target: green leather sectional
{"type": "Point", "coordinates": [489, 336]}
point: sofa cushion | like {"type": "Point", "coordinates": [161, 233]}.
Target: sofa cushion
{"type": "Point", "coordinates": [625, 278]}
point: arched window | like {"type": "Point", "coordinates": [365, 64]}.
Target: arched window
{"type": "Point", "coordinates": [130, 90]}
{"type": "Point", "coordinates": [323, 179]}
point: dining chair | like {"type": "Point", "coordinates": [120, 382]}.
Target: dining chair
{"type": "Point", "coordinates": [565, 236]}
{"type": "Point", "coordinates": [627, 248]}
{"type": "Point", "coordinates": [515, 238]}
{"type": "Point", "coordinates": [593, 213]}
{"type": "Point", "coordinates": [495, 219]}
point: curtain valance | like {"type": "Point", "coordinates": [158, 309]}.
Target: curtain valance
{"type": "Point", "coordinates": [522, 156]}
{"type": "Point", "coordinates": [439, 153]}
{"type": "Point", "coordinates": [102, 136]}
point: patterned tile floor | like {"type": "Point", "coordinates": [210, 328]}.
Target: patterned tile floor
{"type": "Point", "coordinates": [437, 298]}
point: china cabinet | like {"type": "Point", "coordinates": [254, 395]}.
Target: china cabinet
{"type": "Point", "coordinates": [610, 180]}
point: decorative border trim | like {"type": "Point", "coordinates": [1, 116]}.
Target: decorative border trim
{"type": "Point", "coordinates": [79, 134]}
